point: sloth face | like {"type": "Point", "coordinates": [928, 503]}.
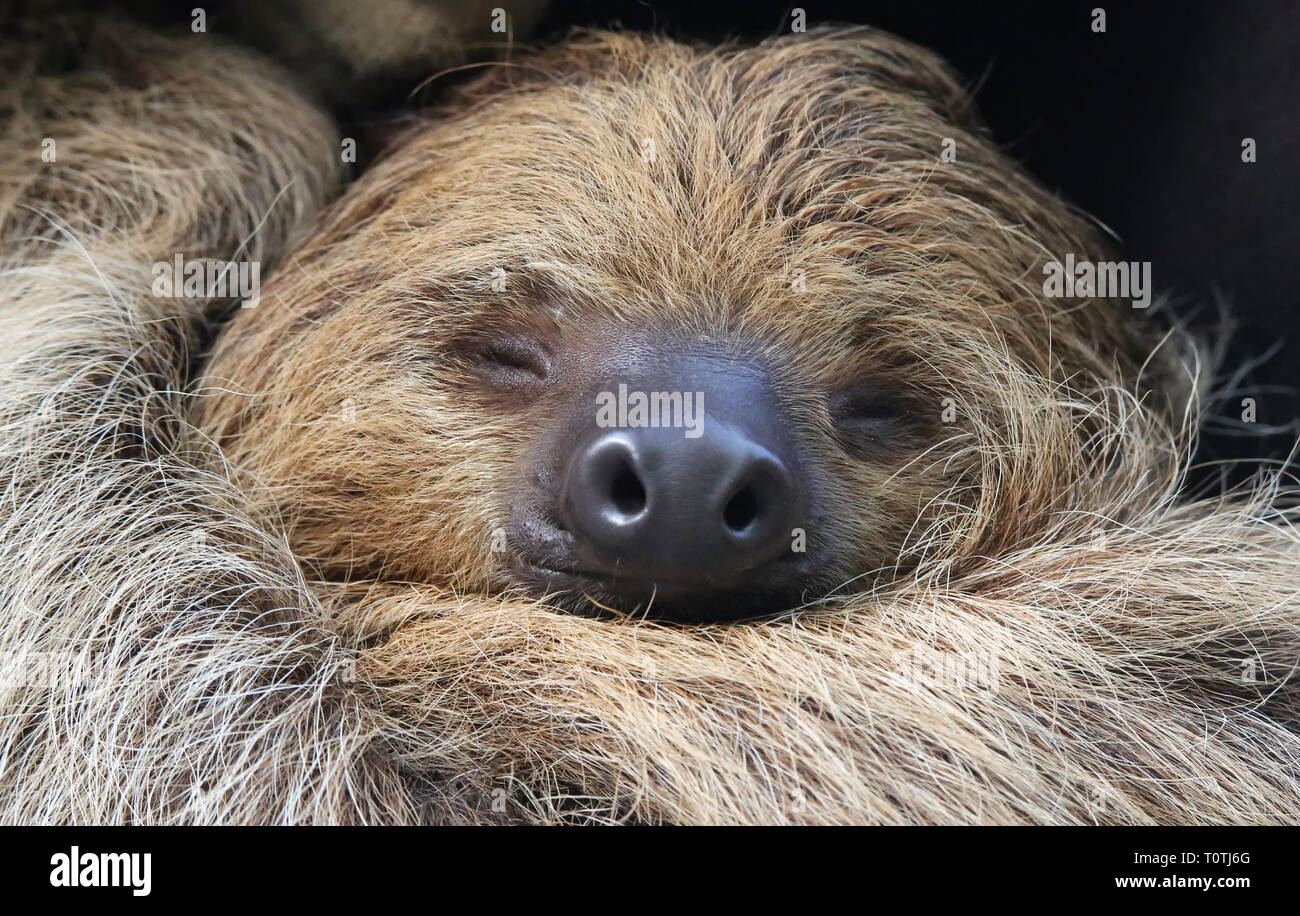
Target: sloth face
{"type": "Point", "coordinates": [689, 475]}
{"type": "Point", "coordinates": [700, 334]}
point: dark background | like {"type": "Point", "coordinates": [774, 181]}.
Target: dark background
{"type": "Point", "coordinates": [1140, 126]}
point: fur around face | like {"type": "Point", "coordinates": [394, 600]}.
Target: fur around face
{"type": "Point", "coordinates": [784, 201]}
{"type": "Point", "coordinates": [1069, 642]}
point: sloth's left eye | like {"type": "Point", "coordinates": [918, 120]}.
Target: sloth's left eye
{"type": "Point", "coordinates": [868, 417]}
{"type": "Point", "coordinates": [510, 361]}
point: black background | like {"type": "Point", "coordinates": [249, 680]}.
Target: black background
{"type": "Point", "coordinates": [920, 868]}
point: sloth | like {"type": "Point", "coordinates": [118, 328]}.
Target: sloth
{"type": "Point", "coordinates": [768, 234]}
{"type": "Point", "coordinates": [654, 433]}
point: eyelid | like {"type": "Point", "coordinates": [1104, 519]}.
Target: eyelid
{"type": "Point", "coordinates": [511, 355]}
{"type": "Point", "coordinates": [865, 402]}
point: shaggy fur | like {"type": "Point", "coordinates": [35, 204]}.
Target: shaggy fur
{"type": "Point", "coordinates": [817, 155]}
{"type": "Point", "coordinates": [1034, 627]}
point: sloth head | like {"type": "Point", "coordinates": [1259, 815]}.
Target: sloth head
{"type": "Point", "coordinates": [699, 333]}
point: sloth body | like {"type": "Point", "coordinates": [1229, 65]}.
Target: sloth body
{"type": "Point", "coordinates": [1005, 612]}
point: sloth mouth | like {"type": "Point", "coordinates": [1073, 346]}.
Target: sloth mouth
{"type": "Point", "coordinates": [586, 591]}
{"type": "Point", "coordinates": [544, 560]}
{"type": "Point", "coordinates": [567, 578]}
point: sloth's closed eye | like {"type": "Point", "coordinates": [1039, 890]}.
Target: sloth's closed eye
{"type": "Point", "coordinates": [510, 361]}
{"type": "Point", "coordinates": [869, 416]}
{"type": "Point", "coordinates": [868, 403]}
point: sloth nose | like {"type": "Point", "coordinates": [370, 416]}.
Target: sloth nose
{"type": "Point", "coordinates": [695, 510]}
{"type": "Point", "coordinates": [689, 512]}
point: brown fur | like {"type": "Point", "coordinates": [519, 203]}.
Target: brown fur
{"type": "Point", "coordinates": [1039, 536]}
{"type": "Point", "coordinates": [817, 155]}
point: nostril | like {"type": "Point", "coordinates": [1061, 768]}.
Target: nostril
{"type": "Point", "coordinates": [741, 510]}
{"type": "Point", "coordinates": [626, 491]}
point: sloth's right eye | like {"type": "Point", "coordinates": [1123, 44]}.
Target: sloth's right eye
{"type": "Point", "coordinates": [510, 361]}
{"type": "Point", "coordinates": [868, 418]}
